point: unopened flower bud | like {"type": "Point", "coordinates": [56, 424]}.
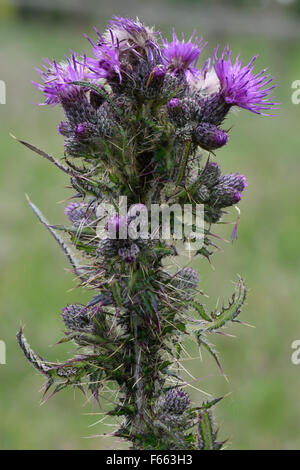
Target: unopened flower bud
{"type": "Point", "coordinates": [176, 401]}
{"type": "Point", "coordinates": [76, 317]}
{"type": "Point", "coordinates": [187, 278]}
{"type": "Point", "coordinates": [78, 213]}
{"type": "Point", "coordinates": [210, 137]}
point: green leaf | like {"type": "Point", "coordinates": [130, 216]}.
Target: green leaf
{"type": "Point", "coordinates": [67, 251]}
{"type": "Point", "coordinates": [230, 312]}
{"type": "Point", "coordinates": [201, 310]}
{"type": "Point", "coordinates": [208, 347]}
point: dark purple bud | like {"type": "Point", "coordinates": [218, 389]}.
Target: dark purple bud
{"type": "Point", "coordinates": [210, 137]}
{"type": "Point", "coordinates": [174, 103]}
{"type": "Point", "coordinates": [159, 72]}
{"type": "Point", "coordinates": [81, 130]}
{"type": "Point", "coordinates": [107, 247]}
{"type": "Point", "coordinates": [187, 278]}
{"type": "Point", "coordinates": [237, 196]}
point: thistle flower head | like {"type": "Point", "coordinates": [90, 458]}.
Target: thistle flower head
{"type": "Point", "coordinates": [180, 56]}
{"type": "Point", "coordinates": [58, 77]}
{"type": "Point", "coordinates": [106, 62]}
{"type": "Point", "coordinates": [239, 85]}
{"type": "Point", "coordinates": [131, 34]}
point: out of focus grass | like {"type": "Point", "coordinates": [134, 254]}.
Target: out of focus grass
{"type": "Point", "coordinates": [262, 410]}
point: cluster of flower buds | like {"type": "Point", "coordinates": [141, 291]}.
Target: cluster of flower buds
{"type": "Point", "coordinates": [218, 191]}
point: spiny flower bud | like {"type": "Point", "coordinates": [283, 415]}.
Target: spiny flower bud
{"type": "Point", "coordinates": [212, 109]}
{"type": "Point", "coordinates": [209, 136]}
{"type": "Point", "coordinates": [235, 180]}
{"type": "Point", "coordinates": [176, 401]}
{"type": "Point", "coordinates": [224, 196]}
{"type": "Point", "coordinates": [187, 278]}
{"type": "Point", "coordinates": [78, 213]}
{"type": "Point", "coordinates": [228, 191]}
{"type": "Point", "coordinates": [76, 317]}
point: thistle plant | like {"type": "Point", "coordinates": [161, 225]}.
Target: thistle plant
{"type": "Point", "coordinates": [144, 122]}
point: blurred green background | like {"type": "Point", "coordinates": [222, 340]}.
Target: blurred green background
{"type": "Point", "coordinates": [261, 409]}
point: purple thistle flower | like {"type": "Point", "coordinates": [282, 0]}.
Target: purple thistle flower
{"type": "Point", "coordinates": [105, 62]}
{"type": "Point", "coordinates": [174, 103]}
{"type": "Point", "coordinates": [58, 78]}
{"type": "Point", "coordinates": [240, 86]}
{"type": "Point", "coordinates": [180, 56]}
